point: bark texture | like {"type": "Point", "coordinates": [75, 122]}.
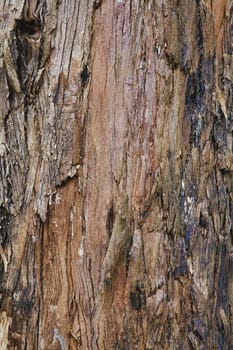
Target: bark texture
{"type": "Point", "coordinates": [116, 171]}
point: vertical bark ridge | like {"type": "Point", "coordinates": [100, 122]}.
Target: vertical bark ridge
{"type": "Point", "coordinates": [116, 174]}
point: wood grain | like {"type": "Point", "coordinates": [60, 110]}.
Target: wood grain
{"type": "Point", "coordinates": [116, 175]}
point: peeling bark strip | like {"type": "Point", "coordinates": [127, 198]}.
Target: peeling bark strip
{"type": "Point", "coordinates": [116, 173]}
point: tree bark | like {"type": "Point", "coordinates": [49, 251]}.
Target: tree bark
{"type": "Point", "coordinates": [116, 163]}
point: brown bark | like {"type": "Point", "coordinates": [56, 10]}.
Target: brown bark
{"type": "Point", "coordinates": [116, 174]}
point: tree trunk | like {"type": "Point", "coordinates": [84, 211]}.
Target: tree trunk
{"type": "Point", "coordinates": [116, 166]}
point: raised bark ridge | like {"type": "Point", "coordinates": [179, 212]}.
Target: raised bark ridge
{"type": "Point", "coordinates": [116, 174]}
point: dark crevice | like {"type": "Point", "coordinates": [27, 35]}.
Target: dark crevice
{"type": "Point", "coordinates": [11, 94]}
{"type": "Point", "coordinates": [5, 236]}
{"type": "Point", "coordinates": [203, 221]}
{"type": "Point", "coordinates": [85, 74]}
{"type": "Point", "coordinates": [232, 142]}
{"type": "Point", "coordinates": [5, 219]}
{"type": "Point", "coordinates": [200, 38]}
{"type": "Point", "coordinates": [195, 90]}
{"type": "Point", "coordinates": [57, 90]}
{"type": "Point", "coordinates": [27, 27]}
{"type": "Point", "coordinates": [128, 253]}
{"type": "Point", "coordinates": [97, 4]}
{"type": "Point", "coordinates": [25, 54]}
{"type": "Point", "coordinates": [181, 267]}
{"type": "Point", "coordinates": [138, 297]}
{"type": "Point", "coordinates": [110, 221]}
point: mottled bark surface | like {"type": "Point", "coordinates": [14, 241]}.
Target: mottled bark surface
{"type": "Point", "coordinates": [116, 173]}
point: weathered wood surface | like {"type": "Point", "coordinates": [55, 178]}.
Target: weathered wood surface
{"type": "Point", "coordinates": [116, 174]}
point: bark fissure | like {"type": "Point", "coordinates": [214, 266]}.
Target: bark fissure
{"type": "Point", "coordinates": [116, 174]}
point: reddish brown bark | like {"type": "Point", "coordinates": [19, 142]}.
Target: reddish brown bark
{"type": "Point", "coordinates": [116, 175]}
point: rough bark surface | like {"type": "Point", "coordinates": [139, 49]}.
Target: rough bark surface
{"type": "Point", "coordinates": [116, 163]}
